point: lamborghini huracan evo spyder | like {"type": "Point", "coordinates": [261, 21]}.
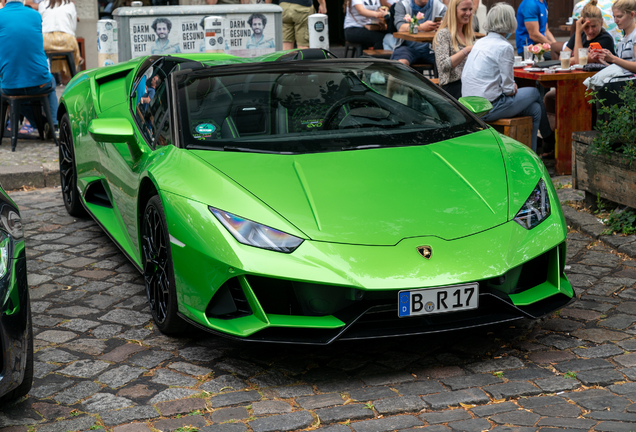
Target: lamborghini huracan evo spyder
{"type": "Point", "coordinates": [296, 197]}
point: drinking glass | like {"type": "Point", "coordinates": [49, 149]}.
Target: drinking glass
{"type": "Point", "coordinates": [583, 56]}
{"type": "Point", "coordinates": [527, 55]}
{"type": "Point", "coordinates": [565, 59]}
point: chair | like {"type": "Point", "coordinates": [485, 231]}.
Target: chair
{"type": "Point", "coordinates": [356, 49]}
{"type": "Point", "coordinates": [431, 70]}
{"type": "Point", "coordinates": [37, 103]}
{"type": "Point", "coordinates": [517, 128]}
{"type": "Point", "coordinates": [63, 55]}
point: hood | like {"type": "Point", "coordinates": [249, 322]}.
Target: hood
{"type": "Point", "coordinates": [449, 189]}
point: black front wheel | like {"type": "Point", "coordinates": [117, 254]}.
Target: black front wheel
{"type": "Point", "coordinates": [158, 270]}
{"type": "Point", "coordinates": [68, 171]}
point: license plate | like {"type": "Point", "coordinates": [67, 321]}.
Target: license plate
{"type": "Point", "coordinates": [427, 301]}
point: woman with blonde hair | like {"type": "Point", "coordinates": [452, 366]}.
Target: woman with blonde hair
{"type": "Point", "coordinates": [625, 18]}
{"type": "Point", "coordinates": [589, 28]}
{"type": "Point", "coordinates": [452, 44]}
{"type": "Point", "coordinates": [59, 21]}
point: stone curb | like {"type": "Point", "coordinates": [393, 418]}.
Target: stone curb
{"type": "Point", "coordinates": [30, 176]}
{"type": "Point", "coordinates": [590, 225]}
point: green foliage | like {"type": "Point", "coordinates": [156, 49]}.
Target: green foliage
{"type": "Point", "coordinates": [571, 375]}
{"type": "Point", "coordinates": [600, 204]}
{"type": "Point", "coordinates": [618, 135]}
{"type": "Point", "coordinates": [498, 374]}
{"type": "Point", "coordinates": [369, 405]}
{"type": "Point", "coordinates": [621, 221]}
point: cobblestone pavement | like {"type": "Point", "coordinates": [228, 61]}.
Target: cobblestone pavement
{"type": "Point", "coordinates": [27, 152]}
{"type": "Point", "coordinates": [100, 363]}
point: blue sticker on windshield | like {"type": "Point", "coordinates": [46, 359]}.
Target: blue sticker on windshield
{"type": "Point", "coordinates": [205, 128]}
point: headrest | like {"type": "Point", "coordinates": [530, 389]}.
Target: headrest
{"type": "Point", "coordinates": [307, 54]}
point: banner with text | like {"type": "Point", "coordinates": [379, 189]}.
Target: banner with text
{"type": "Point", "coordinates": [244, 35]}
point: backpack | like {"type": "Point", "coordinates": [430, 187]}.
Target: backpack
{"type": "Point", "coordinates": [390, 21]}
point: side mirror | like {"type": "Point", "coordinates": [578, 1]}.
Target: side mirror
{"type": "Point", "coordinates": [115, 130]}
{"type": "Point", "coordinates": [476, 105]}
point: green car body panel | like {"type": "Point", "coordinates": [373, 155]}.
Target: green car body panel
{"type": "Point", "coordinates": [360, 231]}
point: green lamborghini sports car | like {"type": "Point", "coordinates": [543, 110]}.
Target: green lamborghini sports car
{"type": "Point", "coordinates": [300, 198]}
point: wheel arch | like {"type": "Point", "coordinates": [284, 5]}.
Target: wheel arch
{"type": "Point", "coordinates": [61, 110]}
{"type": "Point", "coordinates": [147, 189]}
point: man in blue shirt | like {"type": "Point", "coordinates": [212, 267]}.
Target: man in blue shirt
{"type": "Point", "coordinates": [532, 24]}
{"type": "Point", "coordinates": [24, 68]}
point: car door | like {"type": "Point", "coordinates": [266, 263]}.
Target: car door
{"type": "Point", "coordinates": [126, 163]}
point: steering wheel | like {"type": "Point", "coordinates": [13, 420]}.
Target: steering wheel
{"type": "Point", "coordinates": [330, 115]}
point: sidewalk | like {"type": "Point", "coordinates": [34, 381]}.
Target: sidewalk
{"type": "Point", "coordinates": [34, 162]}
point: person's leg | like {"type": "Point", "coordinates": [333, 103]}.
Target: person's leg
{"type": "Point", "coordinates": [288, 26]}
{"type": "Point", "coordinates": [26, 108]}
{"type": "Point", "coordinates": [403, 54]}
{"type": "Point", "coordinates": [364, 37]}
{"type": "Point", "coordinates": [301, 25]}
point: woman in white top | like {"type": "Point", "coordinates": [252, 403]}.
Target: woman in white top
{"type": "Point", "coordinates": [360, 19]}
{"type": "Point", "coordinates": [625, 18]}
{"type": "Point", "coordinates": [59, 21]}
{"type": "Point", "coordinates": [488, 73]}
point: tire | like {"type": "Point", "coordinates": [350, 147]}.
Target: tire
{"type": "Point", "coordinates": [158, 269]}
{"type": "Point", "coordinates": [25, 386]}
{"type": "Point", "coordinates": [68, 171]}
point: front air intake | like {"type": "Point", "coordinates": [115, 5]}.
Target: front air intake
{"type": "Point", "coordinates": [229, 302]}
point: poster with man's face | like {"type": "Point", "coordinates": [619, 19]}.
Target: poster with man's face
{"type": "Point", "coordinates": [246, 35]}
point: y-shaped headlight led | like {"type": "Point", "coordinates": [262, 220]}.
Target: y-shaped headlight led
{"type": "Point", "coordinates": [255, 234]}
{"type": "Point", "coordinates": [536, 207]}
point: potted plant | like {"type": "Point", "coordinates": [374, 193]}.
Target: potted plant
{"type": "Point", "coordinates": [603, 160]}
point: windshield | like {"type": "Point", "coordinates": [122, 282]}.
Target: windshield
{"type": "Point", "coordinates": [315, 107]}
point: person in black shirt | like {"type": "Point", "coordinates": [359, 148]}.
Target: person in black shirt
{"type": "Point", "coordinates": [589, 28]}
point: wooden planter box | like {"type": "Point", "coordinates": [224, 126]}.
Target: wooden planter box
{"type": "Point", "coordinates": [613, 178]}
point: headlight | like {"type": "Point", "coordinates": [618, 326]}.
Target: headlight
{"type": "Point", "coordinates": [255, 234]}
{"type": "Point", "coordinates": [11, 222]}
{"type": "Point", "coordinates": [5, 243]}
{"type": "Point", "coordinates": [536, 208]}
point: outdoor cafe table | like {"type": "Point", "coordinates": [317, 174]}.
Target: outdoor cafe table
{"type": "Point", "coordinates": [415, 37]}
{"type": "Point", "coordinates": [573, 112]}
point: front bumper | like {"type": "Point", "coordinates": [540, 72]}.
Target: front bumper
{"type": "Point", "coordinates": [326, 291]}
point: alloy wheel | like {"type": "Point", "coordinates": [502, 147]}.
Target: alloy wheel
{"type": "Point", "coordinates": [156, 261]}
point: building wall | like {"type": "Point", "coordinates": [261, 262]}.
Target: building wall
{"type": "Point", "coordinates": [560, 11]}
{"type": "Point", "coordinates": [88, 13]}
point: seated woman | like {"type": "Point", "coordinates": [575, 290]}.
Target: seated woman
{"type": "Point", "coordinates": [589, 28]}
{"type": "Point", "coordinates": [488, 73]}
{"type": "Point", "coordinates": [624, 15]}
{"type": "Point", "coordinates": [452, 44]}
{"type": "Point", "coordinates": [59, 22]}
{"type": "Point", "coordinates": [361, 23]}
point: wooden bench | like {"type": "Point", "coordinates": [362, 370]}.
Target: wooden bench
{"type": "Point", "coordinates": [517, 128]}
{"type": "Point", "coordinates": [385, 54]}
{"type": "Point", "coordinates": [434, 80]}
